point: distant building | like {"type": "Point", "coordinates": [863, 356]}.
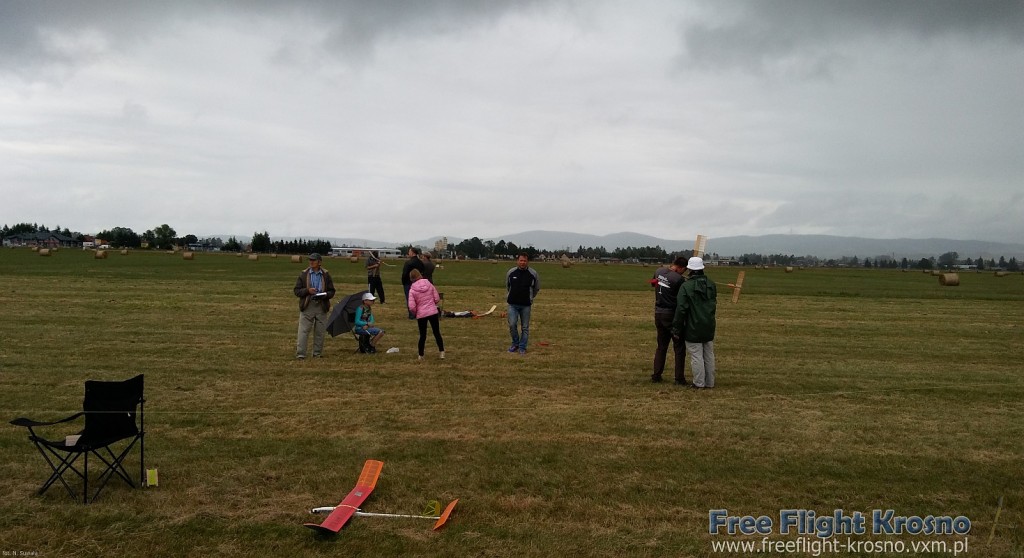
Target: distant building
{"type": "Point", "coordinates": [348, 251]}
{"type": "Point", "coordinates": [42, 240]}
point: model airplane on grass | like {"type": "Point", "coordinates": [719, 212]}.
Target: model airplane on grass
{"type": "Point", "coordinates": [341, 514]}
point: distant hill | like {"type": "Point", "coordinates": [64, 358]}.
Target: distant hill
{"type": "Point", "coordinates": [821, 246]}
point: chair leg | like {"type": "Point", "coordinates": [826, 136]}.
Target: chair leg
{"type": "Point", "coordinates": [66, 463]}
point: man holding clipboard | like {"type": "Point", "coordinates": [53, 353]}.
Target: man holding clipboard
{"type": "Point", "coordinates": [315, 290]}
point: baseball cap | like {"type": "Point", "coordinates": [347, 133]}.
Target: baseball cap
{"type": "Point", "coordinates": [315, 256]}
{"type": "Point", "coordinates": [368, 296]}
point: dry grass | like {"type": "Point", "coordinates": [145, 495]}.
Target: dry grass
{"type": "Point", "coordinates": [857, 389]}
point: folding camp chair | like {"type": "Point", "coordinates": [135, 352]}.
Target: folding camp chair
{"type": "Point", "coordinates": [114, 423]}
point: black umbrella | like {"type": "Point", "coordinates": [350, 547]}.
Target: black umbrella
{"type": "Point", "coordinates": [343, 316]}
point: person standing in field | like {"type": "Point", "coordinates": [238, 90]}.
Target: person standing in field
{"type": "Point", "coordinates": [666, 283]}
{"type": "Point", "coordinates": [428, 267]}
{"type": "Point", "coordinates": [374, 283]}
{"type": "Point", "coordinates": [412, 263]}
{"type": "Point", "coordinates": [695, 322]}
{"type": "Point", "coordinates": [423, 299]}
{"type": "Point", "coordinates": [523, 284]}
{"type": "Point", "coordinates": [315, 289]}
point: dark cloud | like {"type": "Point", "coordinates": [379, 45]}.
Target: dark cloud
{"type": "Point", "coordinates": [354, 26]}
{"type": "Point", "coordinates": [806, 36]}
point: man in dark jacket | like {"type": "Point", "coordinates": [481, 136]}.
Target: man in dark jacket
{"type": "Point", "coordinates": [695, 323]}
{"type": "Point", "coordinates": [412, 263]}
{"type": "Point", "coordinates": [523, 284]}
{"type": "Point", "coordinates": [666, 283]}
{"type": "Point", "coordinates": [315, 289]}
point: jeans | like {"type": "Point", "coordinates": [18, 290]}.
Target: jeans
{"type": "Point", "coordinates": [663, 324]}
{"type": "Point", "coordinates": [702, 363]}
{"type": "Point", "coordinates": [376, 287]}
{"type": "Point", "coordinates": [312, 318]}
{"type": "Point", "coordinates": [519, 314]}
{"type": "Point", "coordinates": [406, 287]}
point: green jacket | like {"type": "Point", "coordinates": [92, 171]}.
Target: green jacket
{"type": "Point", "coordinates": [695, 310]}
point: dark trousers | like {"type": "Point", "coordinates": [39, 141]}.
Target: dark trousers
{"type": "Point", "coordinates": [663, 323]}
{"type": "Point", "coordinates": [376, 287]}
{"type": "Point", "coordinates": [435, 326]}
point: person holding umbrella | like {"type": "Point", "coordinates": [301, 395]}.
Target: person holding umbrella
{"type": "Point", "coordinates": [315, 289]}
{"type": "Point", "coordinates": [366, 325]}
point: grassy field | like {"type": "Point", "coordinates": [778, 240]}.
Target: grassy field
{"type": "Point", "coordinates": [836, 389]}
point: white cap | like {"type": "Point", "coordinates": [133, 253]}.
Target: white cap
{"type": "Point", "coordinates": [695, 264]}
{"type": "Point", "coordinates": [368, 296]}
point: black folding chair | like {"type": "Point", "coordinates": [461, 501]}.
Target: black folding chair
{"type": "Point", "coordinates": [114, 423]}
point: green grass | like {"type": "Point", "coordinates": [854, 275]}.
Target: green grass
{"type": "Point", "coordinates": [837, 389]}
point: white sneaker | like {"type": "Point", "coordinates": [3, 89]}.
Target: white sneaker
{"type": "Point", "coordinates": [420, 357]}
{"type": "Point", "coordinates": [442, 355]}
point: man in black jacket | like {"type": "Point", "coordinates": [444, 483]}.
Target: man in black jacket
{"type": "Point", "coordinates": [412, 263]}
{"type": "Point", "coordinates": [666, 283]}
{"type": "Point", "coordinates": [523, 284]}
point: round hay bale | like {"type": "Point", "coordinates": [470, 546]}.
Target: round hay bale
{"type": "Point", "coordinates": [273, 255]}
{"type": "Point", "coordinates": [44, 251]}
{"type": "Point", "coordinates": [99, 254]}
{"type": "Point", "coordinates": [949, 279]}
{"type": "Point", "coordinates": [354, 259]}
{"type": "Point", "coordinates": [254, 257]}
{"type": "Point", "coordinates": [124, 252]}
{"type": "Point", "coordinates": [188, 255]}
{"type": "Point", "coordinates": [296, 259]}
{"type": "Point", "coordinates": [35, 248]}
{"type": "Point", "coordinates": [238, 255]}
{"type": "Point", "coordinates": [936, 273]}
{"type": "Point", "coordinates": [789, 269]}
{"type": "Point", "coordinates": [1001, 274]}
{"type": "Point", "coordinates": [566, 264]}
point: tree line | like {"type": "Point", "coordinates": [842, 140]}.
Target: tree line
{"type": "Point", "coordinates": [164, 237]}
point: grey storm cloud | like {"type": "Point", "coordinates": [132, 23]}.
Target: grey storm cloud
{"type": "Point", "coordinates": [666, 117]}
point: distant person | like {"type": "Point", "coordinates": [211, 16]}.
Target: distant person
{"type": "Point", "coordinates": [428, 266]}
{"type": "Point", "coordinates": [315, 290]}
{"type": "Point", "coordinates": [412, 263]}
{"type": "Point", "coordinates": [523, 284]}
{"type": "Point", "coordinates": [695, 322]}
{"type": "Point", "coordinates": [423, 299]}
{"type": "Point", "coordinates": [366, 326]}
{"type": "Point", "coordinates": [374, 283]}
{"type": "Point", "coordinates": [666, 283]}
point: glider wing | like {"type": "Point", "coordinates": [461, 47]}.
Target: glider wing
{"type": "Point", "coordinates": [348, 507]}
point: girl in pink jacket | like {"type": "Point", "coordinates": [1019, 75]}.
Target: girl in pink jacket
{"type": "Point", "coordinates": [423, 299]}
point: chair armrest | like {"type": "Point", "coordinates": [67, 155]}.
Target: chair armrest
{"type": "Point", "coordinates": [29, 423]}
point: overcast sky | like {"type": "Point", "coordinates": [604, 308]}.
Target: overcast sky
{"type": "Point", "coordinates": [401, 120]}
